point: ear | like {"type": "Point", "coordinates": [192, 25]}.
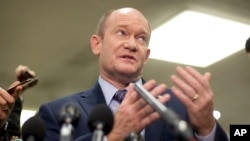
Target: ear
{"type": "Point", "coordinates": [147, 56]}
{"type": "Point", "coordinates": [95, 44]}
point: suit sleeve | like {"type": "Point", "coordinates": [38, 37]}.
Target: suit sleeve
{"type": "Point", "coordinates": [220, 134]}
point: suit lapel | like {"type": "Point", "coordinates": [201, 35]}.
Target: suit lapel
{"type": "Point", "coordinates": [91, 98]}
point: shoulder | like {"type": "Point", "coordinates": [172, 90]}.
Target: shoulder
{"type": "Point", "coordinates": [68, 98]}
{"type": "Point", "coordinates": [53, 107]}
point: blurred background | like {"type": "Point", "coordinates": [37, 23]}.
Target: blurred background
{"type": "Point", "coordinates": [52, 38]}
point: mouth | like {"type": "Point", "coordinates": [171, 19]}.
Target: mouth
{"type": "Point", "coordinates": [128, 57]}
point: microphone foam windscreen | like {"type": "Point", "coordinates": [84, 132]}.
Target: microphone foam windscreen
{"type": "Point", "coordinates": [69, 113]}
{"type": "Point", "coordinates": [247, 46]}
{"type": "Point", "coordinates": [101, 114]}
{"type": "Point", "coordinates": [33, 127]}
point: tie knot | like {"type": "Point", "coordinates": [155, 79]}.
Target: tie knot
{"type": "Point", "coordinates": [119, 95]}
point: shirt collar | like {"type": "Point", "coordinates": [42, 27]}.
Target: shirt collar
{"type": "Point", "coordinates": [109, 90]}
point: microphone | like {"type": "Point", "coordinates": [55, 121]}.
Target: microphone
{"type": "Point", "coordinates": [134, 137]}
{"type": "Point", "coordinates": [100, 121]}
{"type": "Point", "coordinates": [69, 117]}
{"type": "Point", "coordinates": [33, 129]}
{"type": "Point", "coordinates": [180, 127]}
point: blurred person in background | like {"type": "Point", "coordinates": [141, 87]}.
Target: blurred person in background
{"type": "Point", "coordinates": [11, 105]}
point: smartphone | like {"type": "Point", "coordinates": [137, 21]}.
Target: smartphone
{"type": "Point", "coordinates": [25, 84]}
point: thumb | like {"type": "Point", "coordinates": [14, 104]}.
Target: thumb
{"type": "Point", "coordinates": [17, 90]}
{"type": "Point", "coordinates": [207, 76]}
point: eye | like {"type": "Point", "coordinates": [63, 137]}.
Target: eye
{"type": "Point", "coordinates": [142, 38]}
{"type": "Point", "coordinates": [121, 32]}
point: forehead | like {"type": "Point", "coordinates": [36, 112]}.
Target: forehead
{"type": "Point", "coordinates": [128, 18]}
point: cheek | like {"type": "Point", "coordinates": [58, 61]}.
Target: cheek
{"type": "Point", "coordinates": [144, 54]}
{"type": "Point", "coordinates": [145, 59]}
{"type": "Point", "coordinates": [107, 54]}
{"type": "Point", "coordinates": [110, 49]}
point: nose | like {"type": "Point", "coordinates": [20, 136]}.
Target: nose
{"type": "Point", "coordinates": [130, 44]}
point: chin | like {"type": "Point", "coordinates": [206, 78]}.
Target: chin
{"type": "Point", "coordinates": [132, 74]}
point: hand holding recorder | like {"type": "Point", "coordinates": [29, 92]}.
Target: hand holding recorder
{"type": "Point", "coordinates": [25, 79]}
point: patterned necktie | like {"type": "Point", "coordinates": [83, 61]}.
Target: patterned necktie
{"type": "Point", "coordinates": [119, 95]}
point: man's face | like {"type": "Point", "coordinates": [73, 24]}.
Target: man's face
{"type": "Point", "coordinates": [124, 47]}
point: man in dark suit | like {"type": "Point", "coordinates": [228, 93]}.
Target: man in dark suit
{"type": "Point", "coordinates": [121, 43]}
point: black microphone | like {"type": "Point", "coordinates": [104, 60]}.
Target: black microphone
{"type": "Point", "coordinates": [180, 128]}
{"type": "Point", "coordinates": [69, 117]}
{"type": "Point", "coordinates": [33, 129]}
{"type": "Point", "coordinates": [100, 121]}
{"type": "Point", "coordinates": [247, 45]}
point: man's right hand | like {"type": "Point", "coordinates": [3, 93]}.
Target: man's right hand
{"type": "Point", "coordinates": [134, 114]}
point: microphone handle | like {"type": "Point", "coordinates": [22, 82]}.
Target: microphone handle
{"type": "Point", "coordinates": [31, 138]}
{"type": "Point", "coordinates": [134, 137]}
{"type": "Point", "coordinates": [66, 132]}
{"type": "Point", "coordinates": [180, 127]}
{"type": "Point", "coordinates": [97, 135]}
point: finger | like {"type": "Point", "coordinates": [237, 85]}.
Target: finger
{"type": "Point", "coordinates": [149, 85]}
{"type": "Point", "coordinates": [18, 89]}
{"type": "Point", "coordinates": [17, 92]}
{"type": "Point", "coordinates": [149, 119]}
{"type": "Point", "coordinates": [6, 101]}
{"type": "Point", "coordinates": [182, 97]}
{"type": "Point", "coordinates": [154, 114]}
{"type": "Point", "coordinates": [188, 91]}
{"type": "Point", "coordinates": [131, 99]}
{"type": "Point", "coordinates": [14, 84]}
{"type": "Point", "coordinates": [154, 90]}
{"type": "Point", "coordinates": [132, 96]}
{"type": "Point", "coordinates": [207, 76]}
{"type": "Point", "coordinates": [3, 94]}
{"type": "Point", "coordinates": [158, 90]}
{"type": "Point", "coordinates": [5, 97]}
{"type": "Point", "coordinates": [147, 108]}
{"type": "Point", "coordinates": [201, 79]}
{"type": "Point", "coordinates": [190, 80]}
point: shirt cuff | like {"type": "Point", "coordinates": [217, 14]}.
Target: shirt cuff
{"type": "Point", "coordinates": [209, 137]}
{"type": "Point", "coordinates": [105, 138]}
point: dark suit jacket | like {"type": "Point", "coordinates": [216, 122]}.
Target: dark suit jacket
{"type": "Point", "coordinates": [86, 101]}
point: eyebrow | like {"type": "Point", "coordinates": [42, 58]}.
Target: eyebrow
{"type": "Point", "coordinates": [141, 32]}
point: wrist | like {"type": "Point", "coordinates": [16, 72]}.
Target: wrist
{"type": "Point", "coordinates": [116, 137]}
{"type": "Point", "coordinates": [113, 138]}
{"type": "Point", "coordinates": [207, 129]}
